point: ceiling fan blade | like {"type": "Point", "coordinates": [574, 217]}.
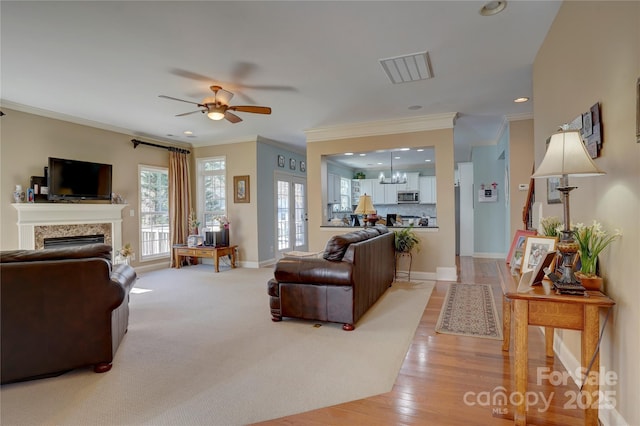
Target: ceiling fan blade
{"type": "Point", "coordinates": [251, 108]}
{"type": "Point", "coordinates": [187, 113]}
{"type": "Point", "coordinates": [176, 99]}
{"type": "Point", "coordinates": [232, 117]}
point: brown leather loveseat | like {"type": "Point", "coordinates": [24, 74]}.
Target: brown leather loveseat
{"type": "Point", "coordinates": [356, 269]}
{"type": "Point", "coordinates": [62, 309]}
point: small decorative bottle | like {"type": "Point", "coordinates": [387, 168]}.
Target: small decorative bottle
{"type": "Point", "coordinates": [18, 194]}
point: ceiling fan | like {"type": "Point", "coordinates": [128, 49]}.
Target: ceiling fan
{"type": "Point", "coordinates": [217, 106]}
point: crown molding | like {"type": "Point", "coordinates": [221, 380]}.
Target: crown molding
{"type": "Point", "coordinates": [518, 117]}
{"type": "Point", "coordinates": [84, 122]}
{"type": "Point", "coordinates": [383, 127]}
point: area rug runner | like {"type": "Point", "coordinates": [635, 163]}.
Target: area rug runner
{"type": "Point", "coordinates": [469, 310]}
{"type": "Point", "coordinates": [202, 350]}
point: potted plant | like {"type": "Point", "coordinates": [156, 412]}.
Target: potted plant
{"type": "Point", "coordinates": [550, 226]}
{"type": "Point", "coordinates": [406, 240]}
{"type": "Point", "coordinates": [592, 240]}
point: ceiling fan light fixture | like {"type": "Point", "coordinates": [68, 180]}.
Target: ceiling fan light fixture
{"type": "Point", "coordinates": [216, 113]}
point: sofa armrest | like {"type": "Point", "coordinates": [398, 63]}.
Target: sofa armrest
{"type": "Point", "coordinates": [313, 271]}
{"type": "Point", "coordinates": [86, 251]}
{"type": "Point", "coordinates": [124, 275]}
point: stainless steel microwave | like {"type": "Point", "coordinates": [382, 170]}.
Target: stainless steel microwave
{"type": "Point", "coordinates": [407, 197]}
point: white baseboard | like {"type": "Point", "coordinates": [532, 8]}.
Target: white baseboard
{"type": "Point", "coordinates": [446, 273]}
{"type": "Point", "coordinates": [608, 417]}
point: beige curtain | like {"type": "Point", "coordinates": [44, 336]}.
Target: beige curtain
{"type": "Point", "coordinates": [179, 199]}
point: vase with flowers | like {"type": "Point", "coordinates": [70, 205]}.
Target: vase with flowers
{"type": "Point", "coordinates": [592, 239]}
{"type": "Point", "coordinates": [124, 254]}
{"type": "Point", "coordinates": [193, 223]}
{"type": "Point", "coordinates": [550, 226]}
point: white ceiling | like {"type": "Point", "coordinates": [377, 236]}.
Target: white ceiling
{"type": "Point", "coordinates": [316, 63]}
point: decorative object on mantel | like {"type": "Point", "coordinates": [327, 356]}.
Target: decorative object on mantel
{"type": "Point", "coordinates": [18, 194]}
{"type": "Point", "coordinates": [592, 240]}
{"type": "Point", "coordinates": [567, 156]}
{"type": "Point", "coordinates": [117, 199]}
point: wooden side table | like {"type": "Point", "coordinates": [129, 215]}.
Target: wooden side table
{"type": "Point", "coordinates": [541, 306]}
{"type": "Point", "coordinates": [181, 250]}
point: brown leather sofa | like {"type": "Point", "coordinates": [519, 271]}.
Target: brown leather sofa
{"type": "Point", "coordinates": [62, 309]}
{"type": "Point", "coordinates": [356, 269]}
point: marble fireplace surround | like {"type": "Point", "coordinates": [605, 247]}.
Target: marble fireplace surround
{"type": "Point", "coordinates": [37, 221]}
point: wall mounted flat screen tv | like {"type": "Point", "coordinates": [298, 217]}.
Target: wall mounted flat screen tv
{"type": "Point", "coordinates": [78, 180]}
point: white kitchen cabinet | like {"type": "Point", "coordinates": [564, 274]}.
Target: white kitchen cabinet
{"type": "Point", "coordinates": [413, 181]}
{"type": "Point", "coordinates": [366, 187]}
{"type": "Point", "coordinates": [333, 189]}
{"type": "Point", "coordinates": [391, 193]}
{"type": "Point", "coordinates": [377, 192]}
{"type": "Point", "coordinates": [427, 187]}
{"type": "Point", "coordinates": [355, 191]}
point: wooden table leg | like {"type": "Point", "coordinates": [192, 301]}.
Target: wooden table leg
{"type": "Point", "coordinates": [217, 260]}
{"type": "Point", "coordinates": [548, 341]}
{"type": "Point", "coordinates": [521, 348]}
{"type": "Point", "coordinates": [590, 336]}
{"type": "Point", "coordinates": [506, 323]}
{"type": "Point", "coordinates": [233, 258]}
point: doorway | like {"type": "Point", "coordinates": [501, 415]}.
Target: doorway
{"type": "Point", "coordinates": [291, 214]}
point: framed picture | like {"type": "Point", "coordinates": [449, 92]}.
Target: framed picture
{"type": "Point", "coordinates": [303, 166]}
{"type": "Point", "coordinates": [280, 160]}
{"type": "Point", "coordinates": [292, 163]}
{"type": "Point", "coordinates": [587, 124]}
{"type": "Point", "coordinates": [553, 195]}
{"type": "Point", "coordinates": [518, 242]}
{"type": "Point", "coordinates": [535, 249]}
{"type": "Point", "coordinates": [538, 274]}
{"type": "Point", "coordinates": [241, 189]}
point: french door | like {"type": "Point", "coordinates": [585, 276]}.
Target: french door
{"type": "Point", "coordinates": [291, 213]}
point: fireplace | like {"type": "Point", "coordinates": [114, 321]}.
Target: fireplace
{"type": "Point", "coordinates": [40, 221]}
{"type": "Point", "coordinates": [79, 240]}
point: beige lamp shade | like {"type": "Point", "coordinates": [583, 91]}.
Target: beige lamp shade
{"type": "Point", "coordinates": [567, 155]}
{"type": "Point", "coordinates": [365, 205]}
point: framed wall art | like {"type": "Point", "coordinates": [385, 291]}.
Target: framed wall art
{"type": "Point", "coordinates": [241, 189]}
{"type": "Point", "coordinates": [303, 166]}
{"type": "Point", "coordinates": [292, 163]}
{"type": "Point", "coordinates": [553, 195]}
{"type": "Point", "coordinates": [280, 160]}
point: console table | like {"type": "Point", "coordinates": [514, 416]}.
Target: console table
{"type": "Point", "coordinates": [182, 250]}
{"type": "Point", "coordinates": [543, 307]}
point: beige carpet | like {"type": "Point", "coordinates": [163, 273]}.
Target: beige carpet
{"type": "Point", "coordinates": [202, 350]}
{"type": "Point", "coordinates": [469, 310]}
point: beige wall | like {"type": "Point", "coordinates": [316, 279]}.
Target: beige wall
{"type": "Point", "coordinates": [592, 54]}
{"type": "Point", "coordinates": [241, 159]}
{"type": "Point", "coordinates": [520, 168]}
{"type": "Point", "coordinates": [437, 248]}
{"type": "Point", "coordinates": [27, 142]}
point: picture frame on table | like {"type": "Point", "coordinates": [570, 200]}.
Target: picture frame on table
{"type": "Point", "coordinates": [535, 249]}
{"type": "Point", "coordinates": [548, 261]}
{"type": "Point", "coordinates": [518, 241]}
{"type": "Point", "coordinates": [241, 193]}
{"type": "Point", "coordinates": [280, 160]}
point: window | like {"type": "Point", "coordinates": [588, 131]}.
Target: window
{"type": "Point", "coordinates": [154, 212]}
{"type": "Point", "coordinates": [212, 194]}
{"type": "Point", "coordinates": [345, 194]}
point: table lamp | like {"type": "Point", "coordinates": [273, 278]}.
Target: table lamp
{"type": "Point", "coordinates": [567, 156]}
{"type": "Point", "coordinates": [365, 207]}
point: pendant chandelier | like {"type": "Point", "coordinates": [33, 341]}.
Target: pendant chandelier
{"type": "Point", "coordinates": [393, 178]}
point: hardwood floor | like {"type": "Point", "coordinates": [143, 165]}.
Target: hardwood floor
{"type": "Point", "coordinates": [439, 370]}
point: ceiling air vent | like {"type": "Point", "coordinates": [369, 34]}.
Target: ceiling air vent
{"type": "Point", "coordinates": [413, 67]}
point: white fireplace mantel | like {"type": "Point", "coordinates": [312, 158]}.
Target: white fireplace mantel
{"type": "Point", "coordinates": [31, 215]}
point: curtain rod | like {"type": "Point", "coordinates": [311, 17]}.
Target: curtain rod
{"type": "Point", "coordinates": [136, 142]}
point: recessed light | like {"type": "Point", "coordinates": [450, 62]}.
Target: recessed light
{"type": "Point", "coordinates": [493, 8]}
{"type": "Point", "coordinates": [348, 153]}
{"type": "Point", "coordinates": [420, 149]}
{"type": "Point", "coordinates": [521, 100]}
{"type": "Point", "coordinates": [427, 161]}
{"type": "Point", "coordinates": [396, 158]}
{"type": "Point", "coordinates": [363, 155]}
{"type": "Point", "coordinates": [188, 132]}
{"type": "Point", "coordinates": [379, 163]}
{"type": "Point", "coordinates": [405, 149]}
